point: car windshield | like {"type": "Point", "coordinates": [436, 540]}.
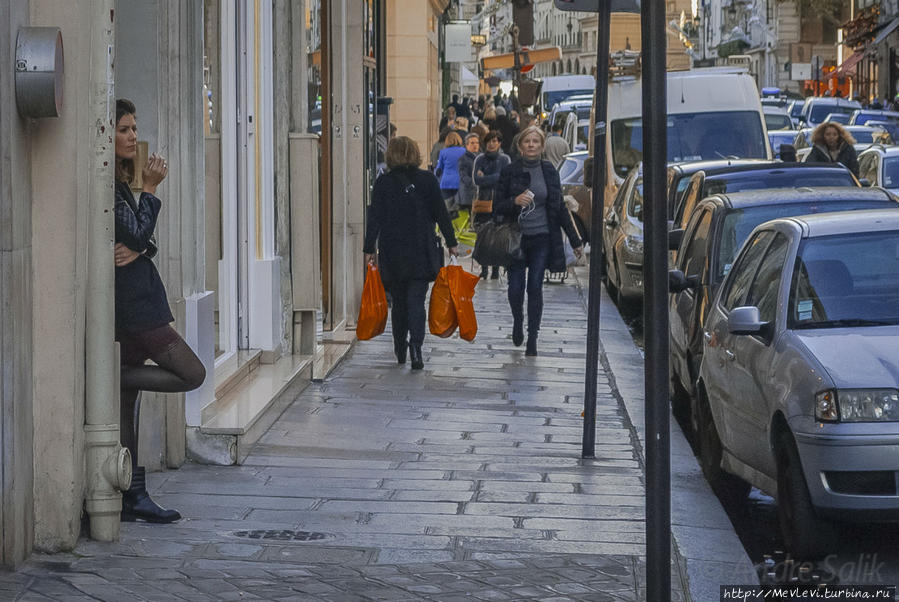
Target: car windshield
{"type": "Point", "coordinates": [862, 118]}
{"type": "Point", "coordinates": [891, 172]}
{"type": "Point", "coordinates": [778, 121]}
{"type": "Point", "coordinates": [820, 111]}
{"type": "Point", "coordinates": [795, 177]}
{"type": "Point", "coordinates": [559, 95]}
{"type": "Point", "coordinates": [739, 223]}
{"type": "Point", "coordinates": [692, 137]}
{"type": "Point", "coordinates": [847, 280]}
{"type": "Point", "coordinates": [568, 169]}
{"type": "Point", "coordinates": [796, 109]}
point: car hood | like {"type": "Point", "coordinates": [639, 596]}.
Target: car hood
{"type": "Point", "coordinates": [856, 357]}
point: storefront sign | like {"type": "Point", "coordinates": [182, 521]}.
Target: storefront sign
{"type": "Point", "coordinates": [457, 38]}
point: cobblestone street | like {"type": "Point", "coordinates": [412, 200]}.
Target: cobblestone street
{"type": "Point", "coordinates": [461, 482]}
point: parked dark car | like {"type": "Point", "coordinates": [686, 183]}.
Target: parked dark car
{"type": "Point", "coordinates": [798, 387]}
{"type": "Point", "coordinates": [715, 232]}
{"type": "Point", "coordinates": [757, 177]}
{"type": "Point", "coordinates": [679, 175]}
{"type": "Point", "coordinates": [863, 116]}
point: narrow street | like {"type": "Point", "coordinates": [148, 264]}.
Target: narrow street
{"type": "Point", "coordinates": [461, 482]}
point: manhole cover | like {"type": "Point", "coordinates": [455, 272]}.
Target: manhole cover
{"type": "Point", "coordinates": [282, 535]}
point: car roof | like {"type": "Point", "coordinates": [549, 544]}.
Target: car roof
{"type": "Point", "coordinates": [875, 112]}
{"type": "Point", "coordinates": [774, 110]}
{"type": "Point", "coordinates": [888, 151]}
{"type": "Point", "coordinates": [774, 166]}
{"type": "Point", "coordinates": [780, 196]}
{"type": "Point", "coordinates": [691, 167]}
{"type": "Point", "coordinates": [846, 222]}
{"type": "Point", "coordinates": [827, 100]}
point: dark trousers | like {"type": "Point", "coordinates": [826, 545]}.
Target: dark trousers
{"type": "Point", "coordinates": [408, 310]}
{"type": "Point", "coordinates": [529, 271]}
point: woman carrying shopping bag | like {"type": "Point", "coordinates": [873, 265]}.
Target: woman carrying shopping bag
{"type": "Point", "coordinates": [529, 191]}
{"type": "Point", "coordinates": [406, 205]}
{"type": "Point", "coordinates": [486, 171]}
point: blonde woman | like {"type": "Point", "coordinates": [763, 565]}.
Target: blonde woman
{"type": "Point", "coordinates": [529, 191]}
{"type": "Point", "coordinates": [831, 143]}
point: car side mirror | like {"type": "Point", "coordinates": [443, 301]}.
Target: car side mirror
{"type": "Point", "coordinates": [864, 182]}
{"type": "Point", "coordinates": [745, 320]}
{"type": "Point", "coordinates": [678, 282]}
{"type": "Point", "coordinates": [674, 239]}
{"type": "Point", "coordinates": [588, 172]}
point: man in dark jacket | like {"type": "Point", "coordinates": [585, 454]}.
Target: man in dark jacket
{"type": "Point", "coordinates": [506, 127]}
{"type": "Point", "coordinates": [467, 187]}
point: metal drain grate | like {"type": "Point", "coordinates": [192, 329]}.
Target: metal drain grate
{"type": "Point", "coordinates": [282, 535]}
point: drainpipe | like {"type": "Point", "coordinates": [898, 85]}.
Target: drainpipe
{"type": "Point", "coordinates": [108, 465]}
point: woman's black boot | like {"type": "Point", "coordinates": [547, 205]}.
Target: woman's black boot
{"type": "Point", "coordinates": [494, 273]}
{"type": "Point", "coordinates": [137, 505]}
{"type": "Point", "coordinates": [483, 272]}
{"type": "Point", "coordinates": [399, 348]}
{"type": "Point", "coordinates": [531, 348]}
{"type": "Point", "coordinates": [415, 355]}
{"type": "Point", "coordinates": [517, 332]}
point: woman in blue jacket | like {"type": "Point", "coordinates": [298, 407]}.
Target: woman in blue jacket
{"type": "Point", "coordinates": [530, 192]}
{"type": "Point", "coordinates": [448, 166]}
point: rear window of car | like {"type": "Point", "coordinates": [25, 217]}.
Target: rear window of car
{"type": "Point", "coordinates": [782, 178]}
{"type": "Point", "coordinates": [739, 223]}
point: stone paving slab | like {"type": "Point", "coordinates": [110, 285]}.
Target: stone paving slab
{"type": "Point", "coordinates": [462, 482]}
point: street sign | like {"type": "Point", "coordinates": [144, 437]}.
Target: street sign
{"type": "Point", "coordinates": [800, 71]}
{"type": "Point", "coordinates": [592, 6]}
{"type": "Point", "coordinates": [530, 57]}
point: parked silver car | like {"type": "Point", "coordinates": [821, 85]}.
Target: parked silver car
{"type": "Point", "coordinates": [799, 381]}
{"type": "Point", "coordinates": [622, 240]}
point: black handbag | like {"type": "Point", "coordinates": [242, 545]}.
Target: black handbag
{"type": "Point", "coordinates": [498, 244]}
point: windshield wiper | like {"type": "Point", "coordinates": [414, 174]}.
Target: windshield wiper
{"type": "Point", "coordinates": [847, 322]}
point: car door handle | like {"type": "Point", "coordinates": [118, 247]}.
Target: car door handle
{"type": "Point", "coordinates": [729, 355]}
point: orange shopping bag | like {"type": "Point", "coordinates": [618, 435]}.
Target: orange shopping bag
{"type": "Point", "coordinates": [441, 311]}
{"type": "Point", "coordinates": [462, 285]}
{"type": "Point", "coordinates": [373, 309]}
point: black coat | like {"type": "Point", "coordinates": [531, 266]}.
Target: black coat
{"type": "Point", "coordinates": [140, 299]}
{"type": "Point", "coordinates": [513, 180]}
{"type": "Point", "coordinates": [402, 224]}
{"type": "Point", "coordinates": [847, 156]}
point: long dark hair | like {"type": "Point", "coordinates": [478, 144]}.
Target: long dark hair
{"type": "Point", "coordinates": [124, 168]}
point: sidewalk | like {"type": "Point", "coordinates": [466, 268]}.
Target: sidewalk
{"type": "Point", "coordinates": [461, 482]}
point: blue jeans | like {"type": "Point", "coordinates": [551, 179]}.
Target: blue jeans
{"type": "Point", "coordinates": [536, 256]}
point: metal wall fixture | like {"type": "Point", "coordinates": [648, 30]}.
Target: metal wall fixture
{"type": "Point", "coordinates": [39, 72]}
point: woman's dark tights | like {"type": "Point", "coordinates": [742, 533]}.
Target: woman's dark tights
{"type": "Point", "coordinates": [177, 369]}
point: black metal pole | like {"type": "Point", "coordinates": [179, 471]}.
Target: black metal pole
{"type": "Point", "coordinates": [597, 194]}
{"type": "Point", "coordinates": [655, 303]}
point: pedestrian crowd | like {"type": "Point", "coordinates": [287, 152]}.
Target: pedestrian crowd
{"type": "Point", "coordinates": [492, 160]}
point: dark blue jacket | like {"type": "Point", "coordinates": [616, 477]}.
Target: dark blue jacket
{"type": "Point", "coordinates": [490, 165]}
{"type": "Point", "coordinates": [140, 299]}
{"type": "Point", "coordinates": [513, 180]}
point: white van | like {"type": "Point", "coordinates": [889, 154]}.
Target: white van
{"type": "Point", "coordinates": [559, 87]}
{"type": "Point", "coordinates": [713, 113]}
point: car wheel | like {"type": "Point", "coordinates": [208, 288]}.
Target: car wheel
{"type": "Point", "coordinates": [805, 534]}
{"type": "Point", "coordinates": [727, 487]}
{"type": "Point", "coordinates": [680, 399]}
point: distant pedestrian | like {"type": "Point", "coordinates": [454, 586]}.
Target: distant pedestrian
{"type": "Point", "coordinates": [142, 315]}
{"type": "Point", "coordinates": [467, 188]}
{"type": "Point", "coordinates": [448, 120]}
{"type": "Point", "coordinates": [448, 167]}
{"type": "Point", "coordinates": [529, 190]}
{"type": "Point", "coordinates": [486, 171]}
{"type": "Point", "coordinates": [481, 129]}
{"type": "Point", "coordinates": [556, 146]}
{"type": "Point", "coordinates": [461, 125]}
{"type": "Point", "coordinates": [437, 147]}
{"type": "Point", "coordinates": [831, 143]}
{"type": "Point", "coordinates": [406, 205]}
{"type": "Point", "coordinates": [507, 127]}
{"type": "Point", "coordinates": [490, 117]}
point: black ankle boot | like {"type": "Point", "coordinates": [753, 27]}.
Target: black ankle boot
{"type": "Point", "coordinates": [415, 355]}
{"type": "Point", "coordinates": [517, 332]}
{"type": "Point", "coordinates": [494, 273]}
{"type": "Point", "coordinates": [531, 348]}
{"type": "Point", "coordinates": [137, 505]}
{"type": "Point", "coordinates": [399, 348]}
{"type": "Point", "coordinates": [483, 272]}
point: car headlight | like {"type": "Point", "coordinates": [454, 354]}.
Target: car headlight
{"type": "Point", "coordinates": [858, 405]}
{"type": "Point", "coordinates": [634, 244]}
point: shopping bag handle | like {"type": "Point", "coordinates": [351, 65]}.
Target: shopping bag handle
{"type": "Point", "coordinates": [454, 260]}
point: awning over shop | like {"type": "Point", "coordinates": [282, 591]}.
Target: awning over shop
{"type": "Point", "coordinates": [887, 31]}
{"type": "Point", "coordinates": [468, 78]}
{"type": "Point", "coordinates": [848, 65]}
